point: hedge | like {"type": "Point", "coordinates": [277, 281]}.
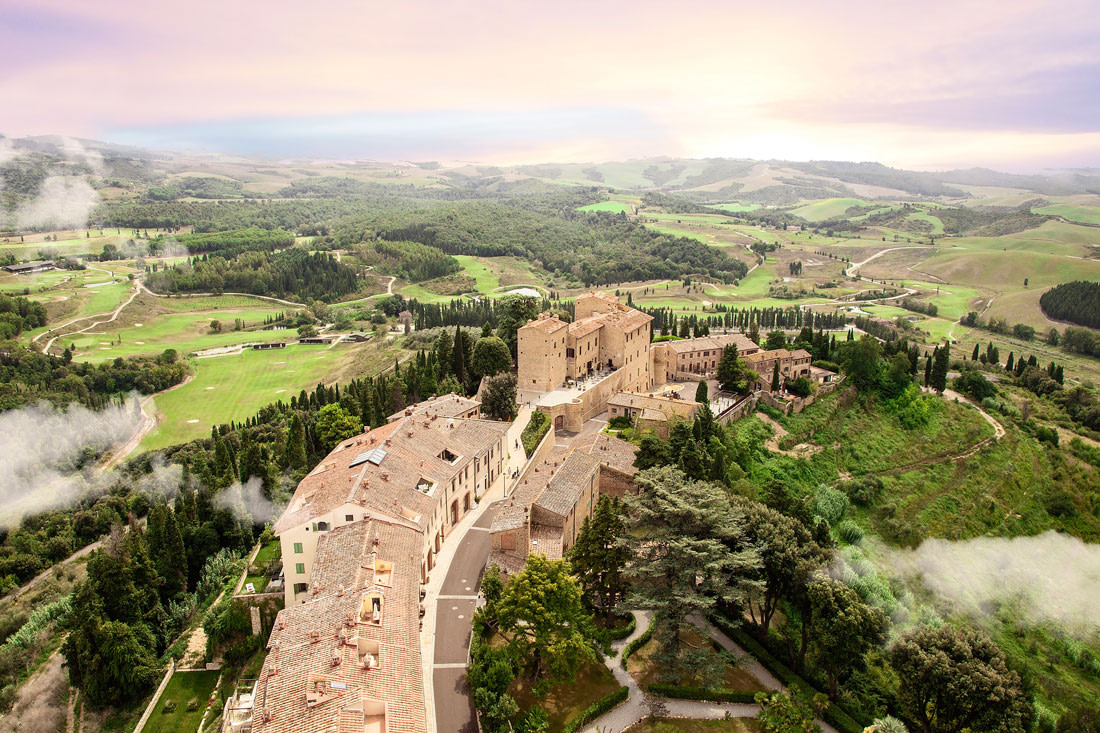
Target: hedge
{"type": "Point", "coordinates": [621, 632]}
{"type": "Point", "coordinates": [533, 433]}
{"type": "Point", "coordinates": [834, 714]}
{"type": "Point", "coordinates": [637, 643]}
{"type": "Point", "coordinates": [596, 709]}
{"type": "Point", "coordinates": [711, 694]}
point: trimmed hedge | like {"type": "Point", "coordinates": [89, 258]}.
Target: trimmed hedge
{"type": "Point", "coordinates": [596, 709]}
{"type": "Point", "coordinates": [834, 714]}
{"type": "Point", "coordinates": [621, 632]}
{"type": "Point", "coordinates": [637, 643]}
{"type": "Point", "coordinates": [711, 694]}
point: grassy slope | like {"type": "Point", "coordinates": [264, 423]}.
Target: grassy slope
{"type": "Point", "coordinates": [182, 688]}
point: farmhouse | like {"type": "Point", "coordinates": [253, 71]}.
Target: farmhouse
{"type": "Point", "coordinates": [315, 340]}
{"type": "Point", "coordinates": [269, 345]}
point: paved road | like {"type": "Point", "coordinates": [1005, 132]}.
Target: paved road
{"type": "Point", "coordinates": [454, 710]}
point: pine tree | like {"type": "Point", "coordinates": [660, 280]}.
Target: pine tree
{"type": "Point", "coordinates": [701, 393]}
{"type": "Point", "coordinates": [296, 443]}
{"type": "Point", "coordinates": [598, 558]}
{"type": "Point", "coordinates": [939, 368]}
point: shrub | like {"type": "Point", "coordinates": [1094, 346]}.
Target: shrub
{"type": "Point", "coordinates": [621, 632]}
{"type": "Point", "coordinates": [596, 709]}
{"type": "Point", "coordinates": [830, 504]}
{"type": "Point", "coordinates": [637, 644]}
{"type": "Point", "coordinates": [800, 387]}
{"type": "Point", "coordinates": [711, 694]}
{"type": "Point", "coordinates": [863, 491]}
{"type": "Point", "coordinates": [850, 532]}
{"type": "Point", "coordinates": [534, 432]}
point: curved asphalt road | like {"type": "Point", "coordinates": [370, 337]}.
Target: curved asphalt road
{"type": "Point", "coordinates": [454, 708]}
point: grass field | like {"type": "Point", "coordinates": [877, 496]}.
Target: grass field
{"type": "Point", "coordinates": [615, 207]}
{"type": "Point", "coordinates": [736, 206]}
{"type": "Point", "coordinates": [184, 690]}
{"type": "Point", "coordinates": [828, 208]}
{"type": "Point", "coordinates": [1083, 214]}
{"type": "Point", "coordinates": [235, 386]}
{"type": "Point", "coordinates": [185, 332]}
{"type": "Point", "coordinates": [935, 221]}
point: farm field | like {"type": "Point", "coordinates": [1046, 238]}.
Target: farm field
{"type": "Point", "coordinates": [828, 208]}
{"type": "Point", "coordinates": [234, 386]}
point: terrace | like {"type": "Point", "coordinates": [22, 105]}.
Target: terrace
{"type": "Point", "coordinates": [571, 390]}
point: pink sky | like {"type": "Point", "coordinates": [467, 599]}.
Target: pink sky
{"type": "Point", "coordinates": [1008, 84]}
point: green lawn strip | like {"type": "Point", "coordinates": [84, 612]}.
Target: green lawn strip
{"type": "Point", "coordinates": [187, 694]}
{"type": "Point", "coordinates": [487, 280]}
{"type": "Point", "coordinates": [1084, 214]}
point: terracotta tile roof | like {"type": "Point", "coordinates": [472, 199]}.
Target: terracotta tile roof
{"type": "Point", "coordinates": [410, 453]}
{"type": "Point", "coordinates": [652, 402]}
{"type": "Point", "coordinates": [615, 453]}
{"type": "Point", "coordinates": [531, 485]}
{"type": "Point", "coordinates": [302, 687]}
{"type": "Point", "coordinates": [569, 482]}
{"type": "Point", "coordinates": [801, 354]}
{"type": "Point", "coordinates": [767, 355]}
{"type": "Point", "coordinates": [546, 324]}
{"type": "Point", "coordinates": [450, 405]}
{"type": "Point", "coordinates": [585, 326]}
{"type": "Point", "coordinates": [547, 541]}
{"type": "Point", "coordinates": [716, 342]}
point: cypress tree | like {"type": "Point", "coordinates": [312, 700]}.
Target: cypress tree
{"type": "Point", "coordinates": [775, 376]}
{"type": "Point", "coordinates": [296, 443]}
{"type": "Point", "coordinates": [939, 368]}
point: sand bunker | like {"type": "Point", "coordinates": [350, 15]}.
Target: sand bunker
{"type": "Point", "coordinates": [192, 421]}
{"type": "Point", "coordinates": [278, 391]}
{"type": "Point", "coordinates": [209, 388]}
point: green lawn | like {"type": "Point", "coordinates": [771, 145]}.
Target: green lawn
{"type": "Point", "coordinates": [567, 700]}
{"type": "Point", "coordinates": [186, 332]}
{"type": "Point", "coordinates": [616, 207]}
{"type": "Point", "coordinates": [1084, 214]}
{"type": "Point", "coordinates": [827, 208]}
{"type": "Point", "coordinates": [736, 206]}
{"type": "Point", "coordinates": [937, 224]}
{"type": "Point", "coordinates": [487, 280]}
{"type": "Point", "coordinates": [184, 690]}
{"type": "Point", "coordinates": [235, 386]}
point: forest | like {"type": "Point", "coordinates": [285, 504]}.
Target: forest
{"type": "Point", "coordinates": [290, 273]}
{"type": "Point", "coordinates": [1077, 302]}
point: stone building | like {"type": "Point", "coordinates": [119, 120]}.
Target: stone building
{"type": "Point", "coordinates": [650, 412]}
{"type": "Point", "coordinates": [422, 471]}
{"type": "Point", "coordinates": [698, 357]}
{"type": "Point", "coordinates": [792, 365]}
{"type": "Point", "coordinates": [546, 508]}
{"type": "Point", "coordinates": [349, 658]}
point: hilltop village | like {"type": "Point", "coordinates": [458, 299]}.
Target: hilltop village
{"type": "Point", "coordinates": [372, 530]}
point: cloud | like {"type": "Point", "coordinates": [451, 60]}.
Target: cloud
{"type": "Point", "coordinates": [246, 501]}
{"type": "Point", "coordinates": [63, 202]}
{"type": "Point", "coordinates": [1050, 577]}
{"type": "Point", "coordinates": [74, 151]}
{"type": "Point", "coordinates": [40, 447]}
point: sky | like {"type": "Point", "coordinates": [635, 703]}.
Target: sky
{"type": "Point", "coordinates": [1006, 84]}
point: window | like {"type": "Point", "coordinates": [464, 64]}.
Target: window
{"type": "Point", "coordinates": [569, 353]}
{"type": "Point", "coordinates": [349, 517]}
{"type": "Point", "coordinates": [447, 456]}
{"type": "Point", "coordinates": [298, 548]}
{"type": "Point", "coordinates": [301, 587]}
{"type": "Point", "coordinates": [300, 568]}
